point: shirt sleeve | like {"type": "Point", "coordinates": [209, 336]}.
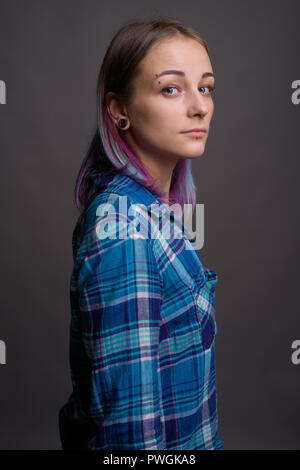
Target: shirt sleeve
{"type": "Point", "coordinates": [120, 297]}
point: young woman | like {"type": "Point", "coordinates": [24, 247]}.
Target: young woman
{"type": "Point", "coordinates": [143, 325]}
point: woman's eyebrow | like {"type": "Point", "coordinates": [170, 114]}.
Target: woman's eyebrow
{"type": "Point", "coordinates": [180, 72]}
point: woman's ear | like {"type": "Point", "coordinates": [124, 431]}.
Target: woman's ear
{"type": "Point", "coordinates": [115, 107]}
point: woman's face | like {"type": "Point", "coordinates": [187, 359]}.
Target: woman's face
{"type": "Point", "coordinates": [163, 106]}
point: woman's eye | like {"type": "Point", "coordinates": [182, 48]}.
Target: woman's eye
{"type": "Point", "coordinates": [169, 88]}
{"type": "Point", "coordinates": [210, 88]}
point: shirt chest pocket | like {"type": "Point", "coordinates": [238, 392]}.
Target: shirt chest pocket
{"type": "Point", "coordinates": [189, 310]}
{"type": "Point", "coordinates": [205, 307]}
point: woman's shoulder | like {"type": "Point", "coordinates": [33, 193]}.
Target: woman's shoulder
{"type": "Point", "coordinates": [122, 201]}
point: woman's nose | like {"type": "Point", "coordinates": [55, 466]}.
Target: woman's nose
{"type": "Point", "coordinates": [198, 103]}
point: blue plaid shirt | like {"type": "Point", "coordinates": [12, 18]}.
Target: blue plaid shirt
{"type": "Point", "coordinates": [142, 330]}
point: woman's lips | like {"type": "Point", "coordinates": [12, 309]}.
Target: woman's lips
{"type": "Point", "coordinates": [195, 133]}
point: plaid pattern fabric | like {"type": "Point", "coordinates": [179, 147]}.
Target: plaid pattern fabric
{"type": "Point", "coordinates": [142, 331]}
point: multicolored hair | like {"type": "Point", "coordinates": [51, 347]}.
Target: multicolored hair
{"type": "Point", "coordinates": [108, 151]}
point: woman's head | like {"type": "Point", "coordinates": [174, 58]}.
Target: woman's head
{"type": "Point", "coordinates": [157, 109]}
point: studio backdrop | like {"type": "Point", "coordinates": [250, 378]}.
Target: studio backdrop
{"type": "Point", "coordinates": [247, 179]}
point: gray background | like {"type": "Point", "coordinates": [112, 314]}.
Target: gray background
{"type": "Point", "coordinates": [247, 179]}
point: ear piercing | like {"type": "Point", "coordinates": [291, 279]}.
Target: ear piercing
{"type": "Point", "coordinates": [122, 123]}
